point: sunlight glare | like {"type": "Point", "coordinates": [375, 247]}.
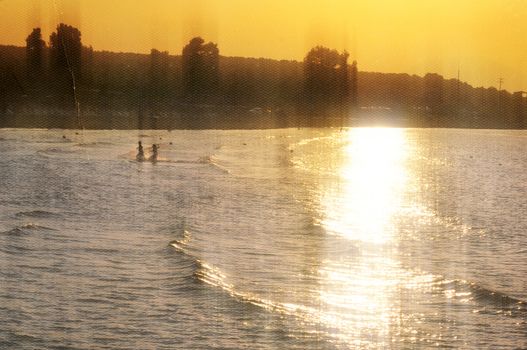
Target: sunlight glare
{"type": "Point", "coordinates": [372, 176]}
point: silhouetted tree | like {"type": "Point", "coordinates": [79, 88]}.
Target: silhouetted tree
{"type": "Point", "coordinates": [87, 65]}
{"type": "Point", "coordinates": [66, 51]}
{"type": "Point", "coordinates": [65, 59]}
{"type": "Point", "coordinates": [159, 72]}
{"type": "Point", "coordinates": [326, 79]}
{"type": "Point", "coordinates": [10, 89]}
{"type": "Point", "coordinates": [35, 47]}
{"type": "Point", "coordinates": [120, 86]}
{"type": "Point", "coordinates": [200, 68]}
{"type": "Point", "coordinates": [434, 93]}
{"type": "Point", "coordinates": [343, 85]}
{"type": "Point", "coordinates": [158, 86]}
{"type": "Point", "coordinates": [354, 90]}
{"type": "Point", "coordinates": [519, 109]}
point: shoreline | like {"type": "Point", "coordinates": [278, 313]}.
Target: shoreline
{"type": "Point", "coordinates": [217, 123]}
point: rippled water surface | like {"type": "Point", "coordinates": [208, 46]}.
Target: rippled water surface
{"type": "Point", "coordinates": [275, 239]}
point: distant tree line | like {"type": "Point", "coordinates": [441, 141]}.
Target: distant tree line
{"type": "Point", "coordinates": [44, 84]}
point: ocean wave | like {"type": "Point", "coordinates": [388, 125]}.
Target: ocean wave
{"type": "Point", "coordinates": [307, 141]}
{"type": "Point", "coordinates": [213, 276]}
{"type": "Point", "coordinates": [498, 301]}
{"type": "Point", "coordinates": [51, 152]}
{"type": "Point", "coordinates": [181, 244]}
{"type": "Point", "coordinates": [14, 232]}
{"type": "Point", "coordinates": [26, 228]}
{"type": "Point", "coordinates": [95, 144]}
{"type": "Point", "coordinates": [31, 226]}
{"type": "Point", "coordinates": [206, 160]}
{"type": "Point", "coordinates": [485, 299]}
{"type": "Point", "coordinates": [41, 214]}
{"type": "Point", "coordinates": [52, 141]}
{"type": "Point", "coordinates": [103, 251]}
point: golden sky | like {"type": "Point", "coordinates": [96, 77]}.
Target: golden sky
{"type": "Point", "coordinates": [486, 39]}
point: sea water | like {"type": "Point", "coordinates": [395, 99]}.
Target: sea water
{"type": "Point", "coordinates": [263, 239]}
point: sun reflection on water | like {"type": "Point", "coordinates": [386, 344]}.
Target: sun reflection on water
{"type": "Point", "coordinates": [372, 176]}
{"type": "Point", "coordinates": [359, 206]}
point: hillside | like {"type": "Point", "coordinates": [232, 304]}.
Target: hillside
{"type": "Point", "coordinates": [128, 91]}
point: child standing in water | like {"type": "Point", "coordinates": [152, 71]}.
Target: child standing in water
{"type": "Point", "coordinates": [140, 153]}
{"type": "Point", "coordinates": [153, 157]}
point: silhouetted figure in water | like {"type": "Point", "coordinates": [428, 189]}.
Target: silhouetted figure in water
{"type": "Point", "coordinates": [153, 157]}
{"type": "Point", "coordinates": [140, 152]}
